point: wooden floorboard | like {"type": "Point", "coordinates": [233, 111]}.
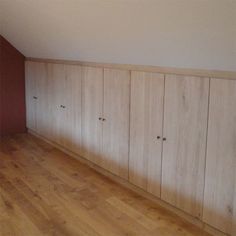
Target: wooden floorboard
{"type": "Point", "coordinates": [43, 191]}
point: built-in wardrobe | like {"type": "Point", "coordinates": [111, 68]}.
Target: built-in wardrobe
{"type": "Point", "coordinates": [173, 136]}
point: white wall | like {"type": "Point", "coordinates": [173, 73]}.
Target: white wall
{"type": "Point", "coordinates": [175, 33]}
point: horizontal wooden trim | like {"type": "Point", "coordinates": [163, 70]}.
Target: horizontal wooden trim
{"type": "Point", "coordinates": [157, 69]}
{"type": "Point", "coordinates": [173, 210]}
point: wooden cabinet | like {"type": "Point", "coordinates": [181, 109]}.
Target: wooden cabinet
{"type": "Point", "coordinates": [146, 120]}
{"type": "Point", "coordinates": [185, 126]}
{"type": "Point", "coordinates": [219, 198]}
{"type": "Point", "coordinates": [101, 110]}
{"type": "Point", "coordinates": [116, 121]}
{"type": "Point", "coordinates": [105, 122]}
{"type": "Point", "coordinates": [92, 110]}
{"type": "Point", "coordinates": [178, 169]}
{"type": "Point", "coordinates": [146, 127]}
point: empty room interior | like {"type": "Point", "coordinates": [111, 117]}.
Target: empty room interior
{"type": "Point", "coordinates": [118, 118]}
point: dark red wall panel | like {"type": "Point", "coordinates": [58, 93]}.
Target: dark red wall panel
{"type": "Point", "coordinates": [12, 90]}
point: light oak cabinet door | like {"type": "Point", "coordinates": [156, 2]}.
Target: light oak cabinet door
{"type": "Point", "coordinates": [35, 74]}
{"type": "Point", "coordinates": [72, 110]}
{"type": "Point", "coordinates": [147, 94]}
{"type": "Point", "coordinates": [92, 110]}
{"type": "Point", "coordinates": [57, 81]}
{"type": "Point", "coordinates": [116, 123]}
{"type": "Point", "coordinates": [31, 94]}
{"type": "Point", "coordinates": [42, 99]}
{"type": "Point", "coordinates": [219, 197]}
{"type": "Point", "coordinates": [185, 126]}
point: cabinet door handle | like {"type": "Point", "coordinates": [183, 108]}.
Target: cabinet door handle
{"type": "Point", "coordinates": [103, 119]}
{"type": "Point", "coordinates": [100, 118]}
{"type": "Point", "coordinates": [158, 137]}
{"type": "Point", "coordinates": [34, 97]}
{"type": "Point", "coordinates": [63, 106]}
{"type": "Point", "coordinates": [164, 139]}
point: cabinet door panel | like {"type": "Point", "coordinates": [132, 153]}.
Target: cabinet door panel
{"type": "Point", "coordinates": [36, 74]}
{"type": "Point", "coordinates": [147, 93]}
{"type": "Point", "coordinates": [42, 101]}
{"type": "Point", "coordinates": [57, 78]}
{"type": "Point", "coordinates": [221, 156]}
{"type": "Point", "coordinates": [71, 114]}
{"type": "Point", "coordinates": [92, 109]}
{"type": "Point", "coordinates": [116, 125]}
{"type": "Point", "coordinates": [185, 126]}
{"type": "Point", "coordinates": [30, 93]}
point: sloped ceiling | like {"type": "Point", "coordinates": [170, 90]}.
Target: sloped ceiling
{"type": "Point", "coordinates": [177, 33]}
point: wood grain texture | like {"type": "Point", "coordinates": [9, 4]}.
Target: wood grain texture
{"type": "Point", "coordinates": [92, 110]}
{"type": "Point", "coordinates": [106, 143]}
{"type": "Point", "coordinates": [141, 193]}
{"type": "Point", "coordinates": [43, 191]}
{"type": "Point", "coordinates": [116, 123]}
{"type": "Point", "coordinates": [146, 68]}
{"type": "Point", "coordinates": [36, 96]}
{"type": "Point", "coordinates": [147, 95]}
{"type": "Point", "coordinates": [185, 125]}
{"type": "Point", "coordinates": [72, 113]}
{"type": "Point", "coordinates": [57, 85]}
{"type": "Point", "coordinates": [219, 197]}
{"type": "Point", "coordinates": [43, 116]}
{"type": "Point", "coordinates": [30, 92]}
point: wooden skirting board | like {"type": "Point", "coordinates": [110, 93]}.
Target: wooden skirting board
{"type": "Point", "coordinates": [132, 187]}
{"type": "Point", "coordinates": [157, 69]}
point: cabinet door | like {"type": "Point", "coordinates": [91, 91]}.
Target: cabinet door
{"type": "Point", "coordinates": [71, 113]}
{"type": "Point", "coordinates": [30, 93]}
{"type": "Point", "coordinates": [147, 93]}
{"type": "Point", "coordinates": [57, 78]}
{"type": "Point", "coordinates": [92, 109]}
{"type": "Point", "coordinates": [42, 101]}
{"type": "Point", "coordinates": [116, 123]}
{"type": "Point", "coordinates": [185, 126]}
{"type": "Point", "coordinates": [35, 74]}
{"type": "Point", "coordinates": [221, 156]}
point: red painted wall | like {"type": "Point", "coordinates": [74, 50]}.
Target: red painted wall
{"type": "Point", "coordinates": [12, 90]}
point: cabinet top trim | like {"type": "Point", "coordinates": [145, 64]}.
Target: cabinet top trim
{"type": "Point", "coordinates": [158, 69]}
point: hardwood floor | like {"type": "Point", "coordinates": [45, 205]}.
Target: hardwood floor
{"type": "Point", "coordinates": [46, 192]}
